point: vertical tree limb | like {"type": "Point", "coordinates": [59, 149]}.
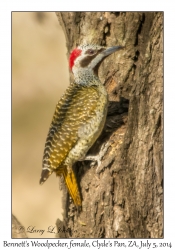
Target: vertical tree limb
{"type": "Point", "coordinates": [123, 198]}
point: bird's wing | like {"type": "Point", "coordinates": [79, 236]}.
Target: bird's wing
{"type": "Point", "coordinates": [73, 110]}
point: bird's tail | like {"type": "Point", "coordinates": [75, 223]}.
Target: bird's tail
{"type": "Point", "coordinates": [45, 175]}
{"type": "Point", "coordinates": [72, 185]}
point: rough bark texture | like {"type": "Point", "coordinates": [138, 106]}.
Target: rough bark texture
{"type": "Point", "coordinates": [123, 197]}
{"type": "Point", "coordinates": [18, 231]}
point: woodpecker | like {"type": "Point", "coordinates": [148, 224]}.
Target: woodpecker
{"type": "Point", "coordinates": [79, 117]}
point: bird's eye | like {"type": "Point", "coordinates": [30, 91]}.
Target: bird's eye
{"type": "Point", "coordinates": [91, 51]}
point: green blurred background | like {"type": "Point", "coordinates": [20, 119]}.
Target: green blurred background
{"type": "Point", "coordinates": [39, 78]}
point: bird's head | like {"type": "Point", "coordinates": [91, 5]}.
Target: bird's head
{"type": "Point", "coordinates": [89, 57]}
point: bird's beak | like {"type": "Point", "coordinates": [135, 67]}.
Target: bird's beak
{"type": "Point", "coordinates": [111, 50]}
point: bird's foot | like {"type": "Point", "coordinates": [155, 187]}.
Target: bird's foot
{"type": "Point", "coordinates": [97, 159]}
{"type": "Point", "coordinates": [94, 158]}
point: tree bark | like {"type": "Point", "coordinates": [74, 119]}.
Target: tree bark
{"type": "Point", "coordinates": [123, 197]}
{"type": "Point", "coordinates": [18, 231]}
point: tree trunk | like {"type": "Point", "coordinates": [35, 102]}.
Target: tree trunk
{"type": "Point", "coordinates": [122, 197]}
{"type": "Point", "coordinates": [18, 231]}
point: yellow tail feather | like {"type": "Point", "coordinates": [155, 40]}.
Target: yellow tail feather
{"type": "Point", "coordinates": [72, 186]}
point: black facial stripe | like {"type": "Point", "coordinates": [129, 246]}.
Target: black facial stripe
{"type": "Point", "coordinates": [87, 60]}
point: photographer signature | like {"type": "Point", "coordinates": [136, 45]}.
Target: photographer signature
{"type": "Point", "coordinates": [50, 229]}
